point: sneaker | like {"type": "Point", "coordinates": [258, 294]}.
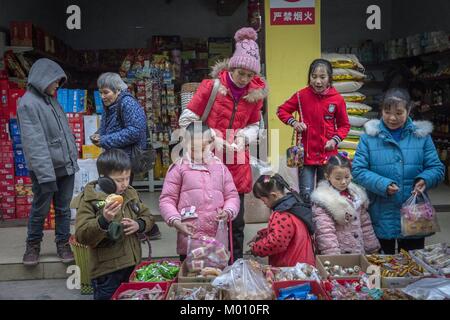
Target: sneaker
{"type": "Point", "coordinates": [64, 252]}
{"type": "Point", "coordinates": [31, 256]}
{"type": "Point", "coordinates": [155, 234]}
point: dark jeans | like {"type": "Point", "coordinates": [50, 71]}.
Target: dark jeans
{"type": "Point", "coordinates": [388, 246]}
{"type": "Point", "coordinates": [238, 231]}
{"type": "Point", "coordinates": [105, 286]}
{"type": "Point", "coordinates": [309, 176]}
{"type": "Point", "coordinates": [41, 207]}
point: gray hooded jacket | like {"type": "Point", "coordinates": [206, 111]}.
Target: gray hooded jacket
{"type": "Point", "coordinates": [48, 142]}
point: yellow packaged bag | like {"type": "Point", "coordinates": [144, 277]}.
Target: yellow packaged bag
{"type": "Point", "coordinates": [353, 97]}
{"type": "Point", "coordinates": [340, 74]}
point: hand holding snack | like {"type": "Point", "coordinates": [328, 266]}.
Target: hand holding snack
{"type": "Point", "coordinates": [112, 207]}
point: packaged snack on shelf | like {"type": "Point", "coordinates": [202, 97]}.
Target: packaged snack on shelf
{"type": "Point", "coordinates": [357, 109]}
{"type": "Point", "coordinates": [244, 281]}
{"type": "Point", "coordinates": [434, 258]}
{"type": "Point", "coordinates": [340, 74]}
{"type": "Point", "coordinates": [418, 217]}
{"type": "Point", "coordinates": [193, 291]}
{"type": "Point", "coordinates": [353, 97]}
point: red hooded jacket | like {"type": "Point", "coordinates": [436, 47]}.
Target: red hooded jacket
{"type": "Point", "coordinates": [229, 114]}
{"type": "Point", "coordinates": [326, 118]}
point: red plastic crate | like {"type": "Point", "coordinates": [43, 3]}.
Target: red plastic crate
{"type": "Point", "coordinates": [141, 285]}
{"type": "Point", "coordinates": [145, 263]}
{"type": "Point", "coordinates": [316, 288]}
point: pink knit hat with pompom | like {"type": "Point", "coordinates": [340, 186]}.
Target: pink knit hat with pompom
{"type": "Point", "coordinates": [246, 55]}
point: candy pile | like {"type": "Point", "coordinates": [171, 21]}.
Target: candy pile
{"type": "Point", "coordinates": [353, 291]}
{"type": "Point", "coordinates": [199, 293]}
{"type": "Point", "coordinates": [144, 294]}
{"type": "Point", "coordinates": [395, 294]}
{"type": "Point", "coordinates": [340, 271]}
{"type": "Point", "coordinates": [399, 265]}
{"type": "Point", "coordinates": [436, 256]}
{"type": "Point", "coordinates": [157, 272]}
{"type": "Point", "coordinates": [206, 252]}
{"type": "Point", "coordinates": [301, 271]}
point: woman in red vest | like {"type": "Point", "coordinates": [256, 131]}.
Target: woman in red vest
{"type": "Point", "coordinates": [234, 116]}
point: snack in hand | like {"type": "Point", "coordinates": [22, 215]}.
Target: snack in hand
{"type": "Point", "coordinates": [114, 198]}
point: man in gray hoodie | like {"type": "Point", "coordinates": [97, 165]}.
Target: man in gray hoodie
{"type": "Point", "coordinates": [51, 155]}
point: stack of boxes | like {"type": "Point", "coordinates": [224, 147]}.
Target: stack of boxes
{"type": "Point", "coordinates": [24, 197]}
{"type": "Point", "coordinates": [72, 100]}
{"type": "Point", "coordinates": [77, 125]}
{"type": "Point", "coordinates": [7, 192]}
{"type": "Point", "coordinates": [91, 125]}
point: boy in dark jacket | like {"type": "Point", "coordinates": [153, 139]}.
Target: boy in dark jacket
{"type": "Point", "coordinates": [110, 230]}
{"type": "Point", "coordinates": [51, 155]}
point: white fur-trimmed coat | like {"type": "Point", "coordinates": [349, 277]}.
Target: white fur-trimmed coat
{"type": "Point", "coordinates": [342, 226]}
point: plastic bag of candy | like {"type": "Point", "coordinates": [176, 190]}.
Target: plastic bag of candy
{"type": "Point", "coordinates": [244, 281]}
{"type": "Point", "coordinates": [301, 271]}
{"type": "Point", "coordinates": [205, 252]}
{"type": "Point", "coordinates": [418, 217]}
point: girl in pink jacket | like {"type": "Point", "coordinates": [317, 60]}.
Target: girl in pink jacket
{"type": "Point", "coordinates": [343, 225]}
{"type": "Point", "coordinates": [198, 190]}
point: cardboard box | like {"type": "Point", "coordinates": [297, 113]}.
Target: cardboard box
{"type": "Point", "coordinates": [23, 211]}
{"type": "Point", "coordinates": [91, 152]}
{"type": "Point", "coordinates": [24, 201]}
{"type": "Point", "coordinates": [183, 276]}
{"type": "Point", "coordinates": [14, 96]}
{"type": "Point", "coordinates": [8, 213]}
{"type": "Point", "coordinates": [7, 177]}
{"type": "Point", "coordinates": [91, 125]}
{"type": "Point", "coordinates": [6, 165]}
{"type": "Point", "coordinates": [9, 171]}
{"type": "Point", "coordinates": [176, 287]}
{"type": "Point", "coordinates": [24, 180]}
{"type": "Point", "coordinates": [9, 200]}
{"type": "Point", "coordinates": [343, 260]}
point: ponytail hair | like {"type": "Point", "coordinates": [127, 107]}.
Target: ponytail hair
{"type": "Point", "coordinates": [340, 160]}
{"type": "Point", "coordinates": [266, 184]}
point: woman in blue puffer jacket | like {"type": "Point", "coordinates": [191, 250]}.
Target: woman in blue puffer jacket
{"type": "Point", "coordinates": [395, 158]}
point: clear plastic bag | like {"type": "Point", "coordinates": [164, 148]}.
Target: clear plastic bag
{"type": "Point", "coordinates": [418, 217]}
{"type": "Point", "coordinates": [244, 281]}
{"type": "Point", "coordinates": [204, 252]}
{"type": "Point", "coordinates": [429, 289]}
{"type": "Point", "coordinates": [222, 233]}
{"type": "Point", "coordinates": [301, 271]}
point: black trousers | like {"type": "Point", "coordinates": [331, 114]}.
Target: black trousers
{"type": "Point", "coordinates": [388, 246]}
{"type": "Point", "coordinates": [105, 286]}
{"type": "Point", "coordinates": [238, 231]}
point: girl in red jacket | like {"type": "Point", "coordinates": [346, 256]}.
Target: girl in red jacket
{"type": "Point", "coordinates": [323, 123]}
{"type": "Point", "coordinates": [288, 239]}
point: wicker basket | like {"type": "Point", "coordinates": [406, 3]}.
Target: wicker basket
{"type": "Point", "coordinates": [81, 254]}
{"type": "Point", "coordinates": [187, 93]}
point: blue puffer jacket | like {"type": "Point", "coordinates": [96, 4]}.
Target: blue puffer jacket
{"type": "Point", "coordinates": [113, 135]}
{"type": "Point", "coordinates": [380, 161]}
